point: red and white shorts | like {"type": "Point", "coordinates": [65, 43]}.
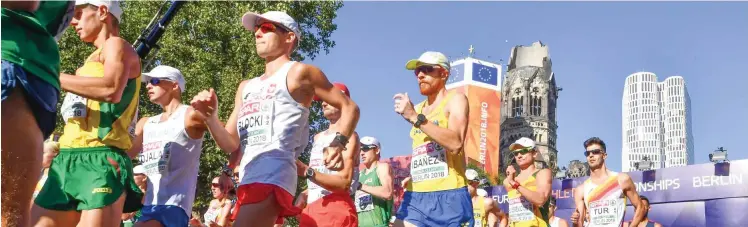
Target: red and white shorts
{"type": "Point", "coordinates": [257, 192]}
{"type": "Point", "coordinates": [334, 210]}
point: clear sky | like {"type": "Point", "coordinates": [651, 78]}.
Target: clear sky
{"type": "Point", "coordinates": [594, 46]}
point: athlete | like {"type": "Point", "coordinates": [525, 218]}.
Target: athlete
{"type": "Point", "coordinates": [645, 222]}
{"type": "Point", "coordinates": [30, 90]}
{"type": "Point", "coordinates": [486, 211]}
{"type": "Point", "coordinates": [51, 149]}
{"type": "Point", "coordinates": [129, 219]}
{"type": "Point", "coordinates": [604, 193]}
{"type": "Point", "coordinates": [270, 121]}
{"type": "Point", "coordinates": [438, 163]}
{"type": "Point", "coordinates": [555, 221]}
{"type": "Point", "coordinates": [169, 146]}
{"type": "Point", "coordinates": [328, 200]}
{"type": "Point", "coordinates": [528, 192]}
{"type": "Point", "coordinates": [219, 208]}
{"type": "Point", "coordinates": [374, 199]}
{"type": "Point", "coordinates": [100, 113]}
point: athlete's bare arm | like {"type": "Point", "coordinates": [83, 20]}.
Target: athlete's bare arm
{"type": "Point", "coordinates": [495, 215]}
{"type": "Point", "coordinates": [578, 221]}
{"type": "Point", "coordinates": [137, 141]}
{"type": "Point", "coordinates": [28, 6]}
{"type": "Point", "coordinates": [194, 124]}
{"type": "Point", "coordinates": [340, 181]}
{"type": "Point", "coordinates": [332, 95]}
{"type": "Point", "coordinates": [630, 190]}
{"type": "Point", "coordinates": [385, 178]}
{"type": "Point", "coordinates": [121, 63]}
{"type": "Point", "coordinates": [452, 138]}
{"type": "Point", "coordinates": [226, 136]}
{"type": "Point", "coordinates": [543, 192]}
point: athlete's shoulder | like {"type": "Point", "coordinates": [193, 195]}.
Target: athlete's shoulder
{"type": "Point", "coordinates": [457, 100]}
{"type": "Point", "coordinates": [383, 165]}
{"type": "Point", "coordinates": [304, 69]}
{"type": "Point", "coordinates": [117, 43]}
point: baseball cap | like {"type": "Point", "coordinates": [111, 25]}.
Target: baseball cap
{"type": "Point", "coordinates": [521, 143]}
{"type": "Point", "coordinates": [340, 86]}
{"type": "Point", "coordinates": [429, 58]}
{"type": "Point", "coordinates": [369, 141]}
{"type": "Point", "coordinates": [113, 6]}
{"type": "Point", "coordinates": [471, 174]}
{"type": "Point", "coordinates": [250, 19]}
{"type": "Point", "coordinates": [138, 169]}
{"type": "Point", "coordinates": [166, 73]}
{"type": "Point", "coordinates": [481, 192]}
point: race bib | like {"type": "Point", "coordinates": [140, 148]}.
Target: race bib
{"type": "Point", "coordinates": [255, 123]}
{"type": "Point", "coordinates": [604, 212]}
{"type": "Point", "coordinates": [74, 106]}
{"type": "Point", "coordinates": [156, 158]}
{"type": "Point", "coordinates": [133, 124]}
{"type": "Point", "coordinates": [429, 162]}
{"type": "Point", "coordinates": [210, 216]}
{"type": "Point", "coordinates": [364, 202]}
{"type": "Point", "coordinates": [520, 210]}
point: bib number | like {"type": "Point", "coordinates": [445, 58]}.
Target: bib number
{"type": "Point", "coordinates": [520, 210]}
{"type": "Point", "coordinates": [364, 202]}
{"type": "Point", "coordinates": [156, 160]}
{"type": "Point", "coordinates": [255, 123]}
{"type": "Point", "coordinates": [74, 106]}
{"type": "Point", "coordinates": [429, 162]}
{"type": "Point", "coordinates": [603, 212]}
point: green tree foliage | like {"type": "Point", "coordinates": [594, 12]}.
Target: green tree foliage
{"type": "Point", "coordinates": [207, 42]}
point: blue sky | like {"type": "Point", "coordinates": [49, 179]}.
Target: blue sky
{"type": "Point", "coordinates": [594, 46]}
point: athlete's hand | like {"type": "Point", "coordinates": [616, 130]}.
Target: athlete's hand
{"type": "Point", "coordinates": [333, 157]}
{"type": "Point", "coordinates": [405, 182]}
{"type": "Point", "coordinates": [404, 107]}
{"type": "Point", "coordinates": [301, 168]}
{"type": "Point", "coordinates": [206, 103]}
{"type": "Point", "coordinates": [510, 171]}
{"type": "Point", "coordinates": [574, 216]}
{"type": "Point", "coordinates": [195, 221]}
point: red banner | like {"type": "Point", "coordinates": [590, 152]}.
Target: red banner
{"type": "Point", "coordinates": [482, 139]}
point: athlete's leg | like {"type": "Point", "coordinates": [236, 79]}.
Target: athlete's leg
{"type": "Point", "coordinates": [106, 216]}
{"type": "Point", "coordinates": [21, 164]}
{"type": "Point", "coordinates": [260, 214]}
{"type": "Point", "coordinates": [51, 218]}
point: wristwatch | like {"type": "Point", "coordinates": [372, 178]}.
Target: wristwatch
{"type": "Point", "coordinates": [340, 138]}
{"type": "Point", "coordinates": [309, 173]}
{"type": "Point", "coordinates": [420, 119]}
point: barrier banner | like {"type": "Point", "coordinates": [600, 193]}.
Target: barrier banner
{"type": "Point", "coordinates": [400, 166]}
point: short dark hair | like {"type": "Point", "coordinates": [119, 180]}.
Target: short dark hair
{"type": "Point", "coordinates": [644, 198]}
{"type": "Point", "coordinates": [594, 140]}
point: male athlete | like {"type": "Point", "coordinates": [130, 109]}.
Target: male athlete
{"type": "Point", "coordinates": [270, 121]}
{"type": "Point", "coordinates": [603, 195]}
{"type": "Point", "coordinates": [528, 192]}
{"type": "Point", "coordinates": [374, 199]}
{"type": "Point", "coordinates": [555, 221]}
{"type": "Point", "coordinates": [169, 147]}
{"type": "Point", "coordinates": [91, 180]}
{"type": "Point", "coordinates": [30, 89]}
{"type": "Point", "coordinates": [645, 221]}
{"type": "Point", "coordinates": [486, 211]}
{"type": "Point", "coordinates": [438, 161]}
{"type": "Point", "coordinates": [328, 195]}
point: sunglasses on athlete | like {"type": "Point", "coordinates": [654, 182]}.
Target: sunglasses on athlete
{"type": "Point", "coordinates": [522, 151]}
{"type": "Point", "coordinates": [366, 148]}
{"type": "Point", "coordinates": [266, 27]}
{"type": "Point", "coordinates": [595, 152]}
{"type": "Point", "coordinates": [155, 81]}
{"type": "Point", "coordinates": [426, 69]}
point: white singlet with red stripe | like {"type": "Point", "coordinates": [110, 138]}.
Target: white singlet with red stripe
{"type": "Point", "coordinates": [606, 203]}
{"type": "Point", "coordinates": [273, 131]}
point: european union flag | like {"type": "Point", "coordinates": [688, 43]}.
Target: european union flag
{"type": "Point", "coordinates": [456, 74]}
{"type": "Point", "coordinates": [485, 74]}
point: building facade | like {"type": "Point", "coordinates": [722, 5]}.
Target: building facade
{"type": "Point", "coordinates": [656, 122]}
{"type": "Point", "coordinates": [529, 95]}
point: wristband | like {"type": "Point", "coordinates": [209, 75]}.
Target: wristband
{"type": "Point", "coordinates": [515, 185]}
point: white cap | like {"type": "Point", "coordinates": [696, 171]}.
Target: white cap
{"type": "Point", "coordinates": [165, 72]}
{"type": "Point", "coordinates": [113, 6]}
{"type": "Point", "coordinates": [471, 174]}
{"type": "Point", "coordinates": [368, 140]}
{"type": "Point", "coordinates": [481, 192]}
{"type": "Point", "coordinates": [429, 58]}
{"type": "Point", "coordinates": [521, 143]}
{"type": "Point", "coordinates": [250, 19]}
{"type": "Point", "coordinates": [138, 169]}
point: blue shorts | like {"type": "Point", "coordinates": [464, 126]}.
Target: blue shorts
{"type": "Point", "coordinates": [168, 216]}
{"type": "Point", "coordinates": [41, 96]}
{"type": "Point", "coordinates": [449, 208]}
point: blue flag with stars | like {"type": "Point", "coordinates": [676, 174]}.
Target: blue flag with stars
{"type": "Point", "coordinates": [485, 74]}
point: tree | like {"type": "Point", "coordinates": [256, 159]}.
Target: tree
{"type": "Point", "coordinates": [207, 42]}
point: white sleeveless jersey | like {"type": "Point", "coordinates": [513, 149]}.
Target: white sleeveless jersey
{"type": "Point", "coordinates": [605, 203]}
{"type": "Point", "coordinates": [316, 162]}
{"type": "Point", "coordinates": [171, 160]}
{"type": "Point", "coordinates": [273, 131]}
{"type": "Point", "coordinates": [554, 222]}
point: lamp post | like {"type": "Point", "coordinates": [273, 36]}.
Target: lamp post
{"type": "Point", "coordinates": [644, 164]}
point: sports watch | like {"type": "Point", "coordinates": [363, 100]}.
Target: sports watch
{"type": "Point", "coordinates": [340, 138]}
{"type": "Point", "coordinates": [420, 119]}
{"type": "Point", "coordinates": [309, 173]}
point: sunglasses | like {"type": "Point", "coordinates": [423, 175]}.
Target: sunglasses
{"type": "Point", "coordinates": [156, 81]}
{"type": "Point", "coordinates": [425, 69]}
{"type": "Point", "coordinates": [215, 185]}
{"type": "Point", "coordinates": [595, 152]}
{"type": "Point", "coordinates": [266, 27]}
{"type": "Point", "coordinates": [522, 151]}
{"type": "Point", "coordinates": [368, 147]}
